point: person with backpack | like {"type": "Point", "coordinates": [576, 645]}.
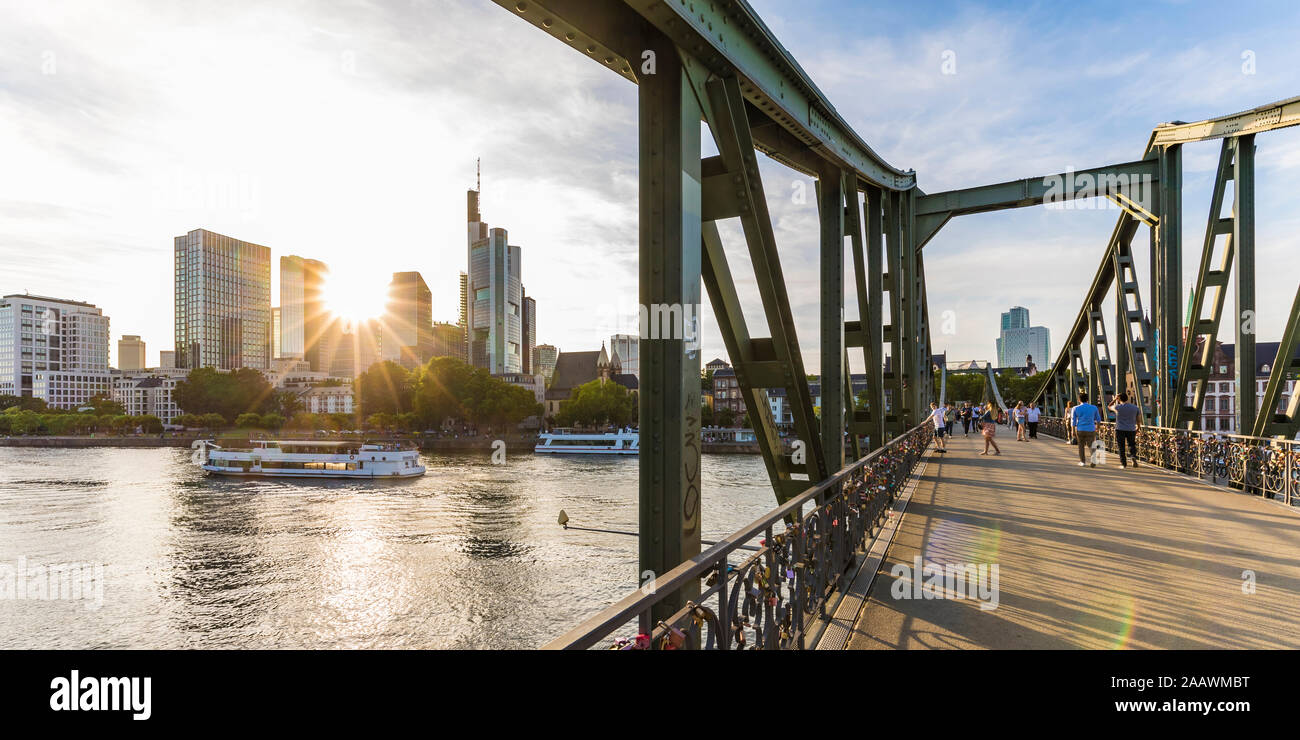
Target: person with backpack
{"type": "Point", "coordinates": [1127, 421]}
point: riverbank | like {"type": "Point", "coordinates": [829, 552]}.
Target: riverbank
{"type": "Point", "coordinates": [463, 444]}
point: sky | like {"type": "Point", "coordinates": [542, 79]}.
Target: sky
{"type": "Point", "coordinates": [349, 132]}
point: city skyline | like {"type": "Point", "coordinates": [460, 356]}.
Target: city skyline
{"type": "Point", "coordinates": [106, 188]}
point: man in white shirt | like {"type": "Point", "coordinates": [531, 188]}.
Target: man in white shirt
{"type": "Point", "coordinates": [1031, 418]}
{"type": "Point", "coordinates": [940, 426]}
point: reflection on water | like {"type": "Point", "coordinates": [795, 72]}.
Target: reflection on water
{"type": "Point", "coordinates": [469, 556]}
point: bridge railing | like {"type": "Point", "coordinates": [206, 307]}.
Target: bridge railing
{"type": "Point", "coordinates": [771, 599]}
{"type": "Point", "coordinates": [1259, 465]}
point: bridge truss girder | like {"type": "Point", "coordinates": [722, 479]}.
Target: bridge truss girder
{"type": "Point", "coordinates": [717, 62]}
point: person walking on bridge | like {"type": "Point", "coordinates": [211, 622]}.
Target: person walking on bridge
{"type": "Point", "coordinates": [1085, 417]}
{"type": "Point", "coordinates": [1031, 418]}
{"type": "Point", "coordinates": [1069, 422]}
{"type": "Point", "coordinates": [1019, 415]}
{"type": "Point", "coordinates": [940, 426]}
{"type": "Point", "coordinates": [989, 428]}
{"type": "Point", "coordinates": [1127, 421]}
{"type": "Point", "coordinates": [966, 414]}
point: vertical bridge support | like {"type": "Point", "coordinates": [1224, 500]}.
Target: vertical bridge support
{"type": "Point", "coordinates": [830, 201]}
{"type": "Point", "coordinates": [670, 226]}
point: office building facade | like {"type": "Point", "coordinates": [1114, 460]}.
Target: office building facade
{"type": "Point", "coordinates": [543, 361]}
{"type": "Point", "coordinates": [529, 334]}
{"type": "Point", "coordinates": [53, 349]}
{"type": "Point", "coordinates": [494, 297]}
{"type": "Point", "coordinates": [628, 349]}
{"type": "Point", "coordinates": [222, 302]}
{"type": "Point", "coordinates": [448, 341]}
{"type": "Point", "coordinates": [408, 321]}
{"type": "Point", "coordinates": [304, 319]}
{"type": "Point", "coordinates": [130, 353]}
{"type": "Point", "coordinates": [1018, 341]}
{"type": "Point", "coordinates": [275, 332]}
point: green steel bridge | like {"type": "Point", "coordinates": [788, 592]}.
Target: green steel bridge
{"type": "Point", "coordinates": [840, 498]}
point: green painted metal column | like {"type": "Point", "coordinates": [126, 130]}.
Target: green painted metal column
{"type": "Point", "coordinates": [830, 190]}
{"type": "Point", "coordinates": [670, 244]}
{"type": "Point", "coordinates": [1243, 243]}
{"type": "Point", "coordinates": [873, 333]}
{"type": "Point", "coordinates": [1168, 269]}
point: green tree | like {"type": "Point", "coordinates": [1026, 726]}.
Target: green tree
{"type": "Point", "coordinates": [385, 388]}
{"type": "Point", "coordinates": [447, 388]}
{"type": "Point", "coordinates": [213, 421]}
{"type": "Point", "coordinates": [724, 417]}
{"type": "Point", "coordinates": [305, 421]}
{"type": "Point", "coordinates": [104, 405]}
{"type": "Point", "coordinates": [248, 421]}
{"type": "Point", "coordinates": [598, 402]}
{"type": "Point", "coordinates": [273, 421]}
{"type": "Point", "coordinates": [441, 388]}
{"type": "Point", "coordinates": [24, 422]}
{"type": "Point", "coordinates": [149, 423]}
{"type": "Point", "coordinates": [23, 403]}
{"type": "Point", "coordinates": [243, 391]}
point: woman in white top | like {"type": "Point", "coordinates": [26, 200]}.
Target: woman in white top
{"type": "Point", "coordinates": [1019, 414]}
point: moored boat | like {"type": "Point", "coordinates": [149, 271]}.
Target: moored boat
{"type": "Point", "coordinates": [567, 441]}
{"type": "Point", "coordinates": [314, 459]}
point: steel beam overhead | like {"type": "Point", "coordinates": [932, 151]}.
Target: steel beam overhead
{"type": "Point", "coordinates": [1099, 182]}
{"type": "Point", "coordinates": [1269, 117]}
{"type": "Point", "coordinates": [730, 40]}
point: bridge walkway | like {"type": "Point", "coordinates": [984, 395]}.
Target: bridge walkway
{"type": "Point", "coordinates": [1087, 557]}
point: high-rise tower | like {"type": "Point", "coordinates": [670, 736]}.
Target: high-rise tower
{"type": "Point", "coordinates": [494, 296]}
{"type": "Point", "coordinates": [222, 302]}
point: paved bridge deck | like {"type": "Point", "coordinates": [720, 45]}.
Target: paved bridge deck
{"type": "Point", "coordinates": [1088, 558]}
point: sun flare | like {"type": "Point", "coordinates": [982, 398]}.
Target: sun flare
{"type": "Point", "coordinates": [354, 295]}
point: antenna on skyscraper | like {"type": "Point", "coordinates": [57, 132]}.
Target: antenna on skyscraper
{"type": "Point", "coordinates": [478, 174]}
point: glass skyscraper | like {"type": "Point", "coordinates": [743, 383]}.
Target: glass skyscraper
{"type": "Point", "coordinates": [494, 296]}
{"type": "Point", "coordinates": [222, 301]}
{"type": "Point", "coordinates": [408, 321]}
{"type": "Point", "coordinates": [303, 318]}
{"type": "Point", "coordinates": [1019, 341]}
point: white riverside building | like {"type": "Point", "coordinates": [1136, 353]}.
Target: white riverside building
{"type": "Point", "coordinates": [149, 391]}
{"type": "Point", "coordinates": [53, 349]}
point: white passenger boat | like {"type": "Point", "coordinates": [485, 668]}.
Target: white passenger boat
{"type": "Point", "coordinates": [314, 459]}
{"type": "Point", "coordinates": [567, 441]}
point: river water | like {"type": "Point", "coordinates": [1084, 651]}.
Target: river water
{"type": "Point", "coordinates": [469, 556]}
